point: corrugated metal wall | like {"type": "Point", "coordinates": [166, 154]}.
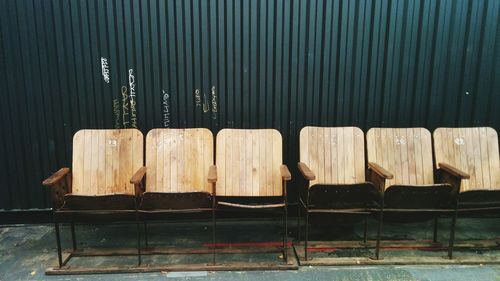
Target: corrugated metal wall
{"type": "Point", "coordinates": [242, 63]}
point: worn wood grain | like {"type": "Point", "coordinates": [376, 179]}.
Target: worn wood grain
{"type": "Point", "coordinates": [55, 177]}
{"type": "Point", "coordinates": [472, 150]}
{"type": "Point", "coordinates": [334, 155]}
{"type": "Point", "coordinates": [178, 160]}
{"type": "Point", "coordinates": [248, 162]}
{"type": "Point", "coordinates": [406, 153]}
{"type": "Point", "coordinates": [105, 160]}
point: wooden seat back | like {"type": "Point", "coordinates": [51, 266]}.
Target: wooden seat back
{"type": "Point", "coordinates": [248, 162]}
{"type": "Point", "coordinates": [472, 150]}
{"type": "Point", "coordinates": [105, 160]}
{"type": "Point", "coordinates": [405, 152]}
{"type": "Point", "coordinates": [177, 160]}
{"type": "Point", "coordinates": [336, 155]}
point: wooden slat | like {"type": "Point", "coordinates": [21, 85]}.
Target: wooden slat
{"type": "Point", "coordinates": [100, 158]}
{"type": "Point", "coordinates": [493, 158]}
{"type": "Point", "coordinates": [463, 149]}
{"type": "Point", "coordinates": [88, 186]}
{"type": "Point", "coordinates": [256, 187]}
{"type": "Point", "coordinates": [178, 160]}
{"type": "Point", "coordinates": [336, 155]}
{"type": "Point", "coordinates": [477, 160]}
{"type": "Point", "coordinates": [359, 155]}
{"type": "Point", "coordinates": [263, 163]}
{"type": "Point", "coordinates": [404, 152]}
{"type": "Point", "coordinates": [341, 165]}
{"type": "Point", "coordinates": [249, 160]}
{"type": "Point", "coordinates": [125, 149]}
{"type": "Point", "coordinates": [78, 161]}
{"type": "Point", "coordinates": [105, 160]}
{"type": "Point", "coordinates": [387, 162]}
{"type": "Point", "coordinates": [483, 140]}
{"type": "Point", "coordinates": [412, 165]}
{"type": "Point", "coordinates": [222, 152]}
{"type": "Point", "coordinates": [418, 158]}
{"type": "Point", "coordinates": [320, 144]}
{"type": "Point", "coordinates": [276, 180]}
{"type": "Point", "coordinates": [348, 153]}
{"type": "Point", "coordinates": [425, 141]}
{"type": "Point", "coordinates": [472, 150]}
{"type": "Point", "coordinates": [171, 146]}
{"type": "Point", "coordinates": [469, 160]}
{"type": "Point", "coordinates": [328, 147]}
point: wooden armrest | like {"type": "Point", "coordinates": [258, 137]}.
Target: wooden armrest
{"type": "Point", "coordinates": [380, 171]}
{"type": "Point", "coordinates": [285, 173]}
{"type": "Point", "coordinates": [56, 177]}
{"type": "Point", "coordinates": [453, 171]}
{"type": "Point", "coordinates": [212, 174]}
{"type": "Point", "coordinates": [138, 176]}
{"type": "Point", "coordinates": [306, 172]}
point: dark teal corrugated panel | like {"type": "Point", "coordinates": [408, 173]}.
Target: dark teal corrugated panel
{"type": "Point", "coordinates": [281, 64]}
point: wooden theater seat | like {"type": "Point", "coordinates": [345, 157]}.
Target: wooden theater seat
{"type": "Point", "coordinates": [103, 162]}
{"type": "Point", "coordinates": [406, 154]}
{"type": "Point", "coordinates": [474, 153]}
{"type": "Point", "coordinates": [250, 170]}
{"type": "Point", "coordinates": [249, 164]}
{"type": "Point", "coordinates": [332, 159]}
{"type": "Point", "coordinates": [333, 163]}
{"type": "Point", "coordinates": [177, 165]}
{"type": "Point", "coordinates": [412, 193]}
{"type": "Point", "coordinates": [98, 185]}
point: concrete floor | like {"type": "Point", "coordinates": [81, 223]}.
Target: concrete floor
{"type": "Point", "coordinates": [27, 250]}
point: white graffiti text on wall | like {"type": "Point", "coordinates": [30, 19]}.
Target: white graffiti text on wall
{"type": "Point", "coordinates": [125, 107]}
{"type": "Point", "coordinates": [214, 103]}
{"type": "Point", "coordinates": [197, 97]}
{"type": "Point", "coordinates": [132, 96]}
{"type": "Point", "coordinates": [116, 112]}
{"type": "Point", "coordinates": [105, 69]}
{"type": "Point", "coordinates": [166, 109]}
{"type": "Point", "coordinates": [206, 103]}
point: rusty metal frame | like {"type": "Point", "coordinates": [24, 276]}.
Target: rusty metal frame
{"type": "Point", "coordinates": [239, 266]}
{"type": "Point", "coordinates": [284, 248]}
{"type": "Point", "coordinates": [62, 263]}
{"type": "Point", "coordinates": [63, 268]}
{"type": "Point", "coordinates": [303, 249]}
{"type": "Point", "coordinates": [304, 207]}
{"type": "Point", "coordinates": [400, 260]}
{"type": "Point", "coordinates": [141, 217]}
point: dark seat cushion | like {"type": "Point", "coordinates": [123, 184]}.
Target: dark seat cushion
{"type": "Point", "coordinates": [99, 202]}
{"type": "Point", "coordinates": [175, 201]}
{"type": "Point", "coordinates": [437, 196]}
{"type": "Point", "coordinates": [479, 199]}
{"type": "Point", "coordinates": [362, 195]}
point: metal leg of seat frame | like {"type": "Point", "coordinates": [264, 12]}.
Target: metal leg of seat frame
{"type": "Point", "coordinates": [58, 242]}
{"type": "Point", "coordinates": [434, 237]}
{"type": "Point", "coordinates": [299, 228]}
{"type": "Point", "coordinates": [146, 234]}
{"type": "Point", "coordinates": [73, 235]}
{"type": "Point", "coordinates": [365, 234]}
{"type": "Point", "coordinates": [306, 213]}
{"type": "Point", "coordinates": [379, 231]}
{"type": "Point", "coordinates": [285, 233]}
{"type": "Point", "coordinates": [214, 227]}
{"type": "Point", "coordinates": [138, 223]}
{"type": "Point", "coordinates": [452, 232]}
